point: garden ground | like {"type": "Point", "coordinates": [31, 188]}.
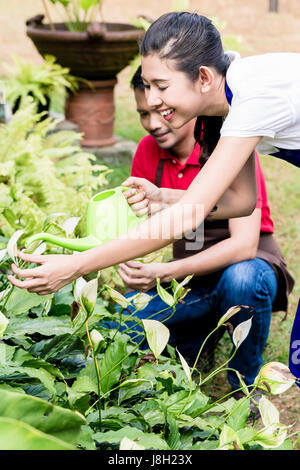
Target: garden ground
{"type": "Point", "coordinates": [260, 31]}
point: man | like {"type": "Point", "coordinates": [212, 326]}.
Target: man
{"type": "Point", "coordinates": [239, 263]}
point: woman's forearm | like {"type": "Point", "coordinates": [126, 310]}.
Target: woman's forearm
{"type": "Point", "coordinates": [170, 196]}
{"type": "Point", "coordinates": [187, 214]}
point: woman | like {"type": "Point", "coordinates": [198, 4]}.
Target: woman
{"type": "Point", "coordinates": [187, 74]}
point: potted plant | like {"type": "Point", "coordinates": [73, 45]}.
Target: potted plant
{"type": "Point", "coordinates": [91, 49]}
{"type": "Point", "coordinates": [39, 81]}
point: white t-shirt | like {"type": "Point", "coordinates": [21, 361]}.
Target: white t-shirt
{"type": "Point", "coordinates": [266, 102]}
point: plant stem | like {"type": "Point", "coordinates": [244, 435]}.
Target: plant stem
{"type": "Point", "coordinates": [52, 27]}
{"type": "Point", "coordinates": [201, 348]}
{"type": "Point", "coordinates": [216, 371]}
{"type": "Point", "coordinates": [97, 370]}
{"type": "Point", "coordinates": [152, 315]}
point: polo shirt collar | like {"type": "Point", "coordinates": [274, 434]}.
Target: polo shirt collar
{"type": "Point", "coordinates": [192, 160]}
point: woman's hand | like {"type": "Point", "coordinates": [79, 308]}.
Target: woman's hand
{"type": "Point", "coordinates": [144, 197]}
{"type": "Point", "coordinates": [140, 276]}
{"type": "Point", "coordinates": [54, 272]}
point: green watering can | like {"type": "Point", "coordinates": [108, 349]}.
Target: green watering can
{"type": "Point", "coordinates": [108, 216]}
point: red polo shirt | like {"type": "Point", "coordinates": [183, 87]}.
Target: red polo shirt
{"type": "Point", "coordinates": [179, 176]}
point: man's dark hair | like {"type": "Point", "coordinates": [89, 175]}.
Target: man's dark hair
{"type": "Point", "coordinates": [136, 81]}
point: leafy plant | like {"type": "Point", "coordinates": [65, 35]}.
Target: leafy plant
{"type": "Point", "coordinates": [45, 177]}
{"type": "Point", "coordinates": [61, 359]}
{"type": "Point", "coordinates": [76, 14]}
{"type": "Point", "coordinates": [39, 81]}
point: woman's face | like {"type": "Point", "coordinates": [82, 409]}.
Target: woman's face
{"type": "Point", "coordinates": [171, 92]}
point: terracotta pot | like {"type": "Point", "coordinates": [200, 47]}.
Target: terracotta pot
{"type": "Point", "coordinates": [98, 54]}
{"type": "Point", "coordinates": [92, 109]}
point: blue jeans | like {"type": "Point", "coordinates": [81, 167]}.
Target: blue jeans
{"type": "Point", "coordinates": [252, 283]}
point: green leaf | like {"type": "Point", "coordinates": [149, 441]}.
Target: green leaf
{"type": "Point", "coordinates": [111, 364]}
{"type": "Point", "coordinates": [174, 435]}
{"type": "Point", "coordinates": [147, 440]}
{"type": "Point", "coordinates": [42, 375]}
{"type": "Point", "coordinates": [21, 301]}
{"type": "Point", "coordinates": [56, 421]}
{"type": "Point", "coordinates": [87, 4]}
{"type": "Point", "coordinates": [157, 336]}
{"type": "Point", "coordinates": [86, 381]}
{"type": "Point", "coordinates": [227, 437]}
{"type": "Point", "coordinates": [132, 387]}
{"type": "Point", "coordinates": [237, 420]}
{"type": "Point", "coordinates": [16, 435]}
{"type": "Point", "coordinates": [164, 294]}
{"type": "Point", "coordinates": [46, 326]}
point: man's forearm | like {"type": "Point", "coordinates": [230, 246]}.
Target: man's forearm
{"type": "Point", "coordinates": [217, 257]}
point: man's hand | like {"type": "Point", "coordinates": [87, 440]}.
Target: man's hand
{"type": "Point", "coordinates": [140, 276]}
{"type": "Point", "coordinates": [144, 197]}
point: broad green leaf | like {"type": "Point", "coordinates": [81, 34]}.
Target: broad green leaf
{"type": "Point", "coordinates": [86, 381]}
{"type": "Point", "coordinates": [188, 421]}
{"type": "Point", "coordinates": [164, 294]}
{"type": "Point", "coordinates": [20, 301]}
{"type": "Point", "coordinates": [86, 440]}
{"type": "Point", "coordinates": [227, 437]}
{"type": "Point", "coordinates": [56, 421]}
{"type": "Point", "coordinates": [174, 435]}
{"type": "Point", "coordinates": [111, 364]}
{"type": "Point", "coordinates": [147, 440]}
{"type": "Point", "coordinates": [16, 435]}
{"type": "Point", "coordinates": [42, 375]}
{"type": "Point", "coordinates": [157, 336]}
{"type": "Point", "coordinates": [268, 411]}
{"type": "Point", "coordinates": [132, 387]}
{"type": "Point", "coordinates": [237, 420]}
{"type": "Point", "coordinates": [46, 326]}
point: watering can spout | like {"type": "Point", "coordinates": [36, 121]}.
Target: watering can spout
{"type": "Point", "coordinates": [108, 216]}
{"type": "Point", "coordinates": [74, 244]}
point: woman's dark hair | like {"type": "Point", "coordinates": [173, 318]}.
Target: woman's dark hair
{"type": "Point", "coordinates": [136, 81]}
{"type": "Point", "coordinates": [192, 41]}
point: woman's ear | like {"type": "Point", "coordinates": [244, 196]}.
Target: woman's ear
{"type": "Point", "coordinates": [206, 78]}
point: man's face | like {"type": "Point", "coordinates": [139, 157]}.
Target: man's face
{"type": "Point", "coordinates": [156, 125]}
